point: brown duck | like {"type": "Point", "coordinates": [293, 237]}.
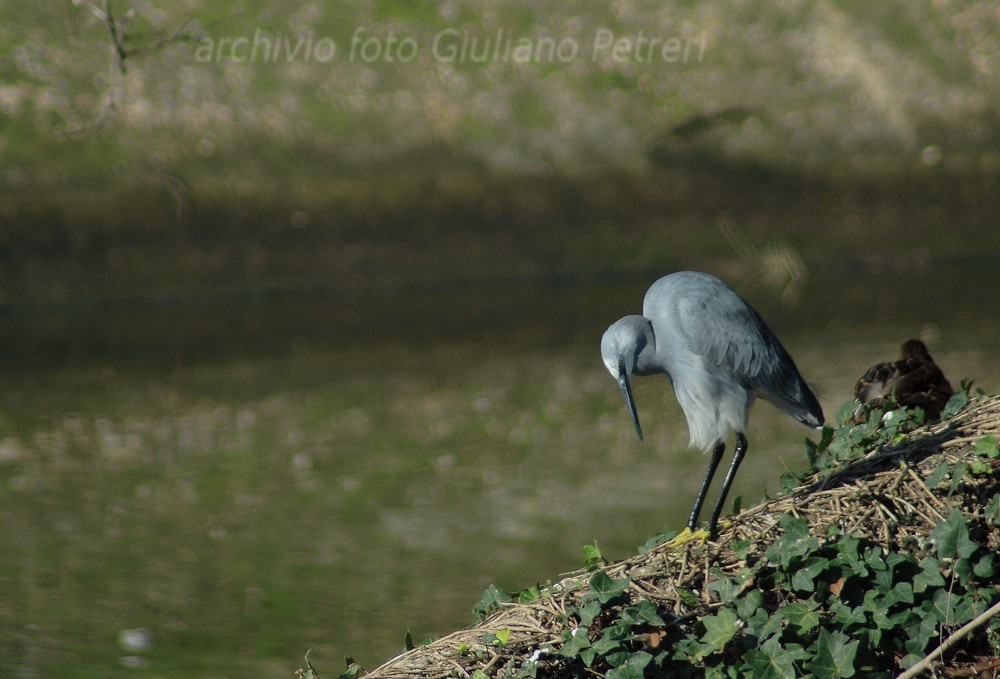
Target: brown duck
{"type": "Point", "coordinates": [914, 380]}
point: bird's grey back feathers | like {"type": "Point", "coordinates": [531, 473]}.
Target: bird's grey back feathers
{"type": "Point", "coordinates": [708, 319]}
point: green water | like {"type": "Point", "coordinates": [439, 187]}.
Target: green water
{"type": "Point", "coordinates": [254, 478]}
{"type": "Point", "coordinates": [248, 476]}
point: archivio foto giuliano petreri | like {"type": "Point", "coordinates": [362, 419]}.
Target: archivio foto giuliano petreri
{"type": "Point", "coordinates": [452, 45]}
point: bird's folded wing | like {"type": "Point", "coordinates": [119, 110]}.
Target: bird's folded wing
{"type": "Point", "coordinates": [729, 333]}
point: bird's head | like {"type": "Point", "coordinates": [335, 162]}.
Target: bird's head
{"type": "Point", "coordinates": [914, 348]}
{"type": "Point", "coordinates": [622, 344]}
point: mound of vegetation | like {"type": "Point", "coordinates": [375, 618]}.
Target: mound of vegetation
{"type": "Point", "coordinates": [879, 559]}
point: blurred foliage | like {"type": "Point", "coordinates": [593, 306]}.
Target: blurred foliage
{"type": "Point", "coordinates": [322, 87]}
{"type": "Point", "coordinates": [330, 136]}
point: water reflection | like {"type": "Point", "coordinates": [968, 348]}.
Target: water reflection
{"type": "Point", "coordinates": [223, 489]}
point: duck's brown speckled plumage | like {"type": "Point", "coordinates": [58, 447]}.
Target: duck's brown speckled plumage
{"type": "Point", "coordinates": [913, 380]}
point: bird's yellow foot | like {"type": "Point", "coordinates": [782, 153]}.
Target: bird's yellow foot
{"type": "Point", "coordinates": [687, 535]}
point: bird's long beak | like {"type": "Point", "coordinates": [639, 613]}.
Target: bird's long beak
{"type": "Point", "coordinates": [627, 390]}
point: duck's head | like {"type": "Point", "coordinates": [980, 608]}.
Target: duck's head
{"type": "Point", "coordinates": [914, 348]}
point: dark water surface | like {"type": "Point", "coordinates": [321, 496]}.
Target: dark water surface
{"type": "Point", "coordinates": [211, 489]}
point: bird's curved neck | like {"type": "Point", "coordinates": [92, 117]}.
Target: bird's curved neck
{"type": "Point", "coordinates": [645, 365]}
{"type": "Point", "coordinates": [645, 359]}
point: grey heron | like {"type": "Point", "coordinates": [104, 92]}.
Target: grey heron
{"type": "Point", "coordinates": [914, 380]}
{"type": "Point", "coordinates": [719, 356]}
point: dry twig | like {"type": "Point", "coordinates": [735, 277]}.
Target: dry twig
{"type": "Point", "coordinates": [953, 639]}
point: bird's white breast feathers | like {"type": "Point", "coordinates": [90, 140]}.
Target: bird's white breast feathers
{"type": "Point", "coordinates": [714, 407]}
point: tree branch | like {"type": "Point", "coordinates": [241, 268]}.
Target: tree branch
{"type": "Point", "coordinates": [115, 34]}
{"type": "Point", "coordinates": [955, 637]}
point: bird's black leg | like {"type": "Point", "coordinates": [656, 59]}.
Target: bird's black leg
{"type": "Point", "coordinates": [741, 450]}
{"type": "Point", "coordinates": [700, 499]}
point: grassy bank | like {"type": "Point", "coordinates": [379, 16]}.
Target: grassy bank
{"type": "Point", "coordinates": [879, 559]}
{"type": "Point", "coordinates": [846, 135]}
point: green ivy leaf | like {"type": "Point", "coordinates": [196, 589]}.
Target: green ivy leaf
{"type": "Point", "coordinates": [849, 549]}
{"type": "Point", "coordinates": [801, 615]}
{"type": "Point", "coordinates": [688, 597]}
{"type": "Point", "coordinates": [592, 557]}
{"type": "Point", "coordinates": [814, 450]}
{"type": "Point", "coordinates": [719, 672]}
{"type": "Point", "coordinates": [901, 593]}
{"type": "Point", "coordinates": [632, 668]}
{"type": "Point", "coordinates": [944, 606]}
{"type": "Point", "coordinates": [834, 655]}
{"type": "Point", "coordinates": [906, 617]}
{"type": "Point", "coordinates": [955, 404]}
{"type": "Point", "coordinates": [804, 578]}
{"type": "Point", "coordinates": [966, 608]}
{"type": "Point", "coordinates": [875, 559]}
{"type": "Point", "coordinates": [789, 481]}
{"type": "Point", "coordinates": [979, 467]}
{"type": "Point", "coordinates": [937, 476]}
{"type": "Point", "coordinates": [643, 612]}
{"type": "Point", "coordinates": [747, 605]}
{"type": "Point", "coordinates": [893, 421]}
{"type": "Point", "coordinates": [987, 447]}
{"type": "Point", "coordinates": [795, 528]}
{"type": "Point", "coordinates": [841, 449]}
{"type": "Point", "coordinates": [951, 537]}
{"type": "Point", "coordinates": [963, 569]}
{"type": "Point", "coordinates": [846, 412]}
{"type": "Point", "coordinates": [588, 655]}
{"type": "Point", "coordinates": [500, 638]}
{"type": "Point", "coordinates": [727, 589]}
{"type": "Point", "coordinates": [895, 559]}
{"type": "Point", "coordinates": [492, 599]}
{"type": "Point", "coordinates": [607, 643]}
{"type": "Point", "coordinates": [687, 649]}
{"type": "Point", "coordinates": [922, 627]}
{"type": "Point", "coordinates": [529, 594]}
{"type": "Point", "coordinates": [588, 612]}
{"type": "Point", "coordinates": [874, 602]}
{"type": "Point", "coordinates": [616, 658]}
{"type": "Point", "coordinates": [352, 671]}
{"type": "Point", "coordinates": [984, 567]}
{"type": "Point", "coordinates": [992, 511]}
{"type": "Point", "coordinates": [929, 575]}
{"type": "Point", "coordinates": [957, 475]}
{"type": "Point", "coordinates": [737, 505]}
{"type": "Point", "coordinates": [794, 544]}
{"type": "Point", "coordinates": [758, 623]}
{"type": "Point", "coordinates": [657, 540]}
{"type": "Point", "coordinates": [574, 642]}
{"type": "Point", "coordinates": [605, 588]}
{"type": "Point", "coordinates": [772, 661]}
{"type": "Point", "coordinates": [740, 548]}
{"type": "Point", "coordinates": [847, 615]}
{"type": "Point", "coordinates": [719, 629]}
{"type": "Point", "coordinates": [774, 625]}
